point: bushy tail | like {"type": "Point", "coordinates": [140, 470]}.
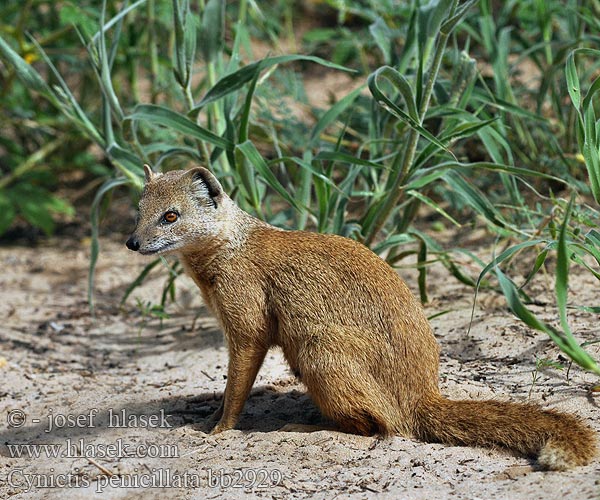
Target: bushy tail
{"type": "Point", "coordinates": [559, 441]}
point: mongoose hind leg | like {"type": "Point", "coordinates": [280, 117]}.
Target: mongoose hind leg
{"type": "Point", "coordinates": [346, 392]}
{"type": "Point", "coordinates": [352, 408]}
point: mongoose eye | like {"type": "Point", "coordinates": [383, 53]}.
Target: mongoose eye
{"type": "Point", "coordinates": [170, 216]}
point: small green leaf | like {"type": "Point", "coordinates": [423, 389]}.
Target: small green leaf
{"type": "Point", "coordinates": [59, 206]}
{"type": "Point", "coordinates": [7, 213]}
{"type": "Point", "coordinates": [410, 117]}
{"type": "Point", "coordinates": [432, 204]}
{"type": "Point", "coordinates": [140, 279]}
{"type": "Point", "coordinates": [95, 219]}
{"type": "Point", "coordinates": [176, 121]}
{"type": "Point", "coordinates": [332, 113]}
{"type": "Point", "coordinates": [432, 14]}
{"type": "Point", "coordinates": [35, 212]}
{"type": "Point", "coordinates": [239, 78]}
{"type": "Point", "coordinates": [212, 29]}
{"type": "Point", "coordinates": [29, 76]}
{"type": "Point", "coordinates": [474, 198]}
{"type": "Point", "coordinates": [338, 156]}
{"type": "Point", "coordinates": [573, 86]}
{"type": "Point", "coordinates": [451, 23]}
{"type": "Point", "coordinates": [382, 34]}
{"type": "Point", "coordinates": [249, 150]}
{"type": "Point", "coordinates": [562, 269]}
{"type": "Point", "coordinates": [593, 90]}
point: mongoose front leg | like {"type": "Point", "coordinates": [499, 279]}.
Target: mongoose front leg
{"type": "Point", "coordinates": [244, 363]}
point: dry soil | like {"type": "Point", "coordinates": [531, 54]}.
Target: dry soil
{"type": "Point", "coordinates": [118, 402]}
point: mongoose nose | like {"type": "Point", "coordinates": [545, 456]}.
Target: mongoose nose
{"type": "Point", "coordinates": [133, 243]}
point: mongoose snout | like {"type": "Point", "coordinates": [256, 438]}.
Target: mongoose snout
{"type": "Point", "coordinates": [133, 243]}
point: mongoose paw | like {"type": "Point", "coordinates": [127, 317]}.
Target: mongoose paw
{"type": "Point", "coordinates": [220, 427]}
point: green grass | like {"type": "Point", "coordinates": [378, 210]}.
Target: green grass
{"type": "Point", "coordinates": [477, 113]}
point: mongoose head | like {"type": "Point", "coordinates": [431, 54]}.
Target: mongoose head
{"type": "Point", "coordinates": [177, 209]}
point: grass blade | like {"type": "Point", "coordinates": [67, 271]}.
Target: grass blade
{"type": "Point", "coordinates": [236, 80]}
{"type": "Point", "coordinates": [562, 270]}
{"type": "Point", "coordinates": [250, 152]}
{"type": "Point", "coordinates": [332, 113]}
{"type": "Point", "coordinates": [212, 29]}
{"type": "Point", "coordinates": [153, 113]}
{"type": "Point", "coordinates": [139, 280]}
{"type": "Point", "coordinates": [95, 244]}
{"type": "Point", "coordinates": [410, 116]}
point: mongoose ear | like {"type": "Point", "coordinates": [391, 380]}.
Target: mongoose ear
{"type": "Point", "coordinates": [148, 172]}
{"type": "Point", "coordinates": [201, 175]}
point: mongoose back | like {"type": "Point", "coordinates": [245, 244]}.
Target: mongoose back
{"type": "Point", "coordinates": [348, 326]}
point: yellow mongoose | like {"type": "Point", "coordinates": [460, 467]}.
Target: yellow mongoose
{"type": "Point", "coordinates": [347, 324]}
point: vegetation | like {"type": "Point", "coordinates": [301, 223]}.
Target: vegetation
{"type": "Point", "coordinates": [479, 112]}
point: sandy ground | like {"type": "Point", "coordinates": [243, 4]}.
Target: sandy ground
{"type": "Point", "coordinates": [119, 402]}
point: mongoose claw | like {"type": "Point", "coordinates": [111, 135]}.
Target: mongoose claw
{"type": "Point", "coordinates": [217, 429]}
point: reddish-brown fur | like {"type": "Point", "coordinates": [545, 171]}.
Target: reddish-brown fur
{"type": "Point", "coordinates": [346, 322]}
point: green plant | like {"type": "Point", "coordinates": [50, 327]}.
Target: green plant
{"type": "Point", "coordinates": [27, 193]}
{"type": "Point", "coordinates": [413, 142]}
{"type": "Point", "coordinates": [445, 123]}
{"type": "Point", "coordinates": [587, 125]}
{"type": "Point", "coordinates": [130, 133]}
{"type": "Point", "coordinates": [35, 137]}
{"type": "Point", "coordinates": [540, 364]}
{"type": "Point", "coordinates": [148, 310]}
{"type": "Point", "coordinates": [568, 247]}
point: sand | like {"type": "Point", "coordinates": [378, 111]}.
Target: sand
{"type": "Point", "coordinates": [115, 405]}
